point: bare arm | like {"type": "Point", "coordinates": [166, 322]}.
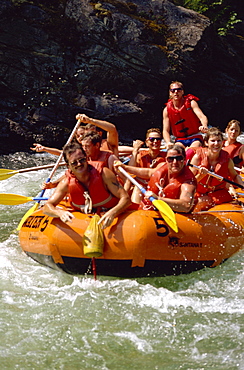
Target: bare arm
{"type": "Point", "coordinates": [142, 172]}
{"type": "Point", "coordinates": [199, 173]}
{"type": "Point", "coordinates": [118, 191]}
{"type": "Point", "coordinates": [241, 155]}
{"type": "Point", "coordinates": [237, 178]}
{"type": "Point", "coordinates": [112, 133]}
{"type": "Point", "coordinates": [127, 150]}
{"type": "Point", "coordinates": [186, 200]}
{"type": "Point", "coordinates": [198, 112]}
{"type": "Point", "coordinates": [50, 208]}
{"type": "Point", "coordinates": [40, 148]}
{"type": "Point", "coordinates": [111, 160]}
{"type": "Point", "coordinates": [166, 128]}
{"type": "Point", "coordinates": [52, 184]}
{"type": "Point", "coordinates": [133, 161]}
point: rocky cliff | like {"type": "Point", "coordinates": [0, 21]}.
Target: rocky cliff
{"type": "Point", "coordinates": [112, 60]}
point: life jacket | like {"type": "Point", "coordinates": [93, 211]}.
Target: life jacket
{"type": "Point", "coordinates": [103, 160]}
{"type": "Point", "coordinates": [147, 161]}
{"type": "Point", "coordinates": [183, 121]}
{"type": "Point", "coordinates": [234, 150]}
{"type": "Point", "coordinates": [190, 152]}
{"type": "Point", "coordinates": [96, 196]}
{"type": "Point", "coordinates": [209, 183]}
{"type": "Point", "coordinates": [160, 183]}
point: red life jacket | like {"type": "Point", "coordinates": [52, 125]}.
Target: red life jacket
{"type": "Point", "coordinates": [234, 150]}
{"type": "Point", "coordinates": [183, 121]}
{"type": "Point", "coordinates": [99, 195]}
{"type": "Point", "coordinates": [147, 161]}
{"type": "Point", "coordinates": [102, 162]}
{"type": "Point", "coordinates": [209, 183]}
{"type": "Point", "coordinates": [171, 187]}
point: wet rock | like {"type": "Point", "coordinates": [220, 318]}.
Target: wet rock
{"type": "Point", "coordinates": [111, 60]}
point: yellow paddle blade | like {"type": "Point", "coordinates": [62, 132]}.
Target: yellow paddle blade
{"type": "Point", "coordinates": [167, 213]}
{"type": "Point", "coordinates": [6, 170]}
{"type": "Point", "coordinates": [26, 215]}
{"type": "Point", "coordinates": [13, 199]}
{"type": "Point", "coordinates": [6, 173]}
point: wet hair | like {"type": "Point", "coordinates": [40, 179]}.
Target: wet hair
{"type": "Point", "coordinates": [93, 136]}
{"type": "Point", "coordinates": [179, 149]}
{"type": "Point", "coordinates": [213, 131]}
{"type": "Point", "coordinates": [232, 122]}
{"type": "Point", "coordinates": [150, 130]}
{"type": "Point", "coordinates": [70, 148]}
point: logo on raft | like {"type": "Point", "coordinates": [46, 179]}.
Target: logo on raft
{"type": "Point", "coordinates": [34, 222]}
{"type": "Point", "coordinates": [175, 243]}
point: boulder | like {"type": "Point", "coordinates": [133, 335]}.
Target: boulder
{"type": "Point", "coordinates": [112, 60]}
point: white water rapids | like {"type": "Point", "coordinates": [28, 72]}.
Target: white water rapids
{"type": "Point", "coordinates": [51, 320]}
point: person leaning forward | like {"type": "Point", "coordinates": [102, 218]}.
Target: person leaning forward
{"type": "Point", "coordinates": [183, 117]}
{"type": "Point", "coordinates": [88, 188]}
{"type": "Point", "coordinates": [173, 181]}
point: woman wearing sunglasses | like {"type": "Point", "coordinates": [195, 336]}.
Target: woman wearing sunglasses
{"type": "Point", "coordinates": [183, 117]}
{"type": "Point", "coordinates": [173, 181]}
{"type": "Point", "coordinates": [210, 190]}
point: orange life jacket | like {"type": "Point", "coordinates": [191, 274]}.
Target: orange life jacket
{"type": "Point", "coordinates": [234, 150]}
{"type": "Point", "coordinates": [103, 160]}
{"type": "Point", "coordinates": [183, 121]}
{"type": "Point", "coordinates": [160, 183]}
{"type": "Point", "coordinates": [147, 161]}
{"type": "Point", "coordinates": [209, 183]}
{"type": "Point", "coordinates": [97, 192]}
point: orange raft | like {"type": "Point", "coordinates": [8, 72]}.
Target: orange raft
{"type": "Point", "coordinates": [138, 243]}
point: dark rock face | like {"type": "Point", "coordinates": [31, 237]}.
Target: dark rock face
{"type": "Point", "coordinates": [112, 60]}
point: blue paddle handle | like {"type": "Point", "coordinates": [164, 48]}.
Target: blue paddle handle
{"type": "Point", "coordinates": [43, 190]}
{"type": "Point", "coordinates": [39, 199]}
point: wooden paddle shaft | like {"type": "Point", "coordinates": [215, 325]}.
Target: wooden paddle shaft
{"type": "Point", "coordinates": [39, 167]}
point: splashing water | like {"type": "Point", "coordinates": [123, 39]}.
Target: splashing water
{"type": "Point", "coordinates": [51, 320]}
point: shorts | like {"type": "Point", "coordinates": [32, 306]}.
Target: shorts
{"type": "Point", "coordinates": [187, 142]}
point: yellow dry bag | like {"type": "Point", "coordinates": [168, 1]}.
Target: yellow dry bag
{"type": "Point", "coordinates": [93, 239]}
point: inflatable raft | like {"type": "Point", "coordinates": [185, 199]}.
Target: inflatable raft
{"type": "Point", "coordinates": [138, 243]}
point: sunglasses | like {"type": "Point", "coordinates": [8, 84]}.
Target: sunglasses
{"type": "Point", "coordinates": [177, 158]}
{"type": "Point", "coordinates": [176, 89]}
{"type": "Point", "coordinates": [152, 139]}
{"type": "Point", "coordinates": [78, 161]}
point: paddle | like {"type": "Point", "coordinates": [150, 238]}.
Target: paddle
{"type": "Point", "coordinates": [34, 208]}
{"type": "Point", "coordinates": [5, 173]}
{"type": "Point", "coordinates": [217, 176]}
{"type": "Point", "coordinates": [164, 209]}
{"type": "Point", "coordinates": [14, 199]}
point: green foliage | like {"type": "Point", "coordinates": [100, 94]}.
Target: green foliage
{"type": "Point", "coordinates": [222, 31]}
{"type": "Point", "coordinates": [223, 13]}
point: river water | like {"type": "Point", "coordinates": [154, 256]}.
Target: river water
{"type": "Point", "coordinates": [51, 320]}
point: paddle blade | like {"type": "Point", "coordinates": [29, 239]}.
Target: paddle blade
{"type": "Point", "coordinates": [6, 173]}
{"type": "Point", "coordinates": [167, 213]}
{"type": "Point", "coordinates": [27, 214]}
{"type": "Point", "coordinates": [13, 199]}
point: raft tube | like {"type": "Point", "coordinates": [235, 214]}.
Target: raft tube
{"type": "Point", "coordinates": [138, 243]}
